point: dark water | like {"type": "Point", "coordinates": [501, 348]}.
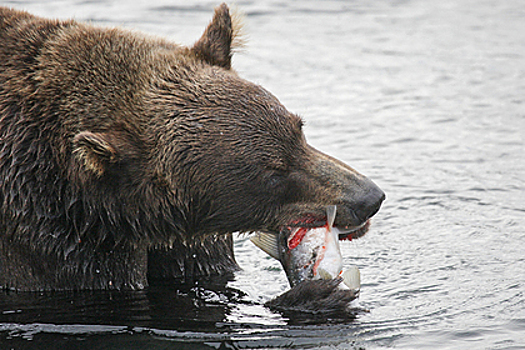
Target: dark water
{"type": "Point", "coordinates": [425, 97]}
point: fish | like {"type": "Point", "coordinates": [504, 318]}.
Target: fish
{"type": "Point", "coordinates": [310, 253]}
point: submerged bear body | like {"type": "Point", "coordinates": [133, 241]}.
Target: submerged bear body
{"type": "Point", "coordinates": [126, 158]}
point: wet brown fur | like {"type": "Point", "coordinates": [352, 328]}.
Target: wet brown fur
{"type": "Point", "coordinates": [115, 145]}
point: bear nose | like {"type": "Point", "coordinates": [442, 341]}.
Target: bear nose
{"type": "Point", "coordinates": [356, 209]}
{"type": "Point", "coordinates": [368, 205]}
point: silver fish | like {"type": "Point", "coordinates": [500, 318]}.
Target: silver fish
{"type": "Point", "coordinates": [309, 253]}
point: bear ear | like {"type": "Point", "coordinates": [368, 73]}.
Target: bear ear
{"type": "Point", "coordinates": [95, 151]}
{"type": "Point", "coordinates": [219, 39]}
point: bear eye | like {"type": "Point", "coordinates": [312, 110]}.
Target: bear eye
{"type": "Point", "coordinates": [276, 179]}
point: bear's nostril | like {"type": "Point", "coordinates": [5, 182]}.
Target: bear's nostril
{"type": "Point", "coordinates": [369, 204]}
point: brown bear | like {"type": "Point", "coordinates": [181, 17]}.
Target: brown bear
{"type": "Point", "coordinates": [126, 158]}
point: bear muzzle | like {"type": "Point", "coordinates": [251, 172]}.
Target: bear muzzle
{"type": "Point", "coordinates": [357, 197]}
{"type": "Point", "coordinates": [354, 210]}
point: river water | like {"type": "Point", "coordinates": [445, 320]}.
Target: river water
{"type": "Point", "coordinates": [427, 98]}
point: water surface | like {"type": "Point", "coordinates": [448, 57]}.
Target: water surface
{"type": "Point", "coordinates": [424, 97]}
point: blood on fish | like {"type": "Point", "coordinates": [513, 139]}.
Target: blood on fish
{"type": "Point", "coordinates": [318, 262]}
{"type": "Point", "coordinates": [297, 237]}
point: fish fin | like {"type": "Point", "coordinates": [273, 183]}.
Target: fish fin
{"type": "Point", "coordinates": [331, 211]}
{"type": "Point", "coordinates": [268, 243]}
{"type": "Point", "coordinates": [352, 278]}
{"type": "Point", "coordinates": [324, 275]}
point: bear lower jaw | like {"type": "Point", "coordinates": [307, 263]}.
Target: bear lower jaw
{"type": "Point", "coordinates": [349, 233]}
{"type": "Point", "coordinates": [344, 232]}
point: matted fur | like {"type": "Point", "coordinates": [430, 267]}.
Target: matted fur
{"type": "Point", "coordinates": [120, 151]}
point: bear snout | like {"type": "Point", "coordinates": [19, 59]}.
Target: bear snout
{"type": "Point", "coordinates": [357, 197]}
{"type": "Point", "coordinates": [370, 203]}
{"type": "Point", "coordinates": [356, 210]}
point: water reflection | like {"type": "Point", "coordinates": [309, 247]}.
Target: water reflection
{"type": "Point", "coordinates": [170, 306]}
{"type": "Point", "coordinates": [196, 317]}
{"type": "Point", "coordinates": [426, 98]}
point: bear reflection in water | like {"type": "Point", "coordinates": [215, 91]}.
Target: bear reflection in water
{"type": "Point", "coordinates": [126, 159]}
{"type": "Point", "coordinates": [206, 305]}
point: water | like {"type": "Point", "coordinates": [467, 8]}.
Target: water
{"type": "Point", "coordinates": [426, 98]}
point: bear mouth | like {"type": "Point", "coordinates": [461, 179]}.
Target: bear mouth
{"type": "Point", "coordinates": [345, 233]}
{"type": "Point", "coordinates": [348, 233]}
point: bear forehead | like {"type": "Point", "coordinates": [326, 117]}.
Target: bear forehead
{"type": "Point", "coordinates": [215, 99]}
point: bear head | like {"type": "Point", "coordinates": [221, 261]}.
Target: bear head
{"type": "Point", "coordinates": [203, 151]}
